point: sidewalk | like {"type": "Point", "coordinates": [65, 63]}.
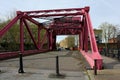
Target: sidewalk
{"type": "Point", "coordinates": [40, 66]}
{"type": "Point", "coordinates": [111, 70]}
{"type": "Point", "coordinates": [10, 73]}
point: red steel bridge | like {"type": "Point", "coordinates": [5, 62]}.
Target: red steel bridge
{"type": "Point", "coordinates": [73, 21]}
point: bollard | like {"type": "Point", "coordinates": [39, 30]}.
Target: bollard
{"type": "Point", "coordinates": [57, 66]}
{"type": "Point", "coordinates": [20, 64]}
{"type": "Point", "coordinates": [95, 67]}
{"type": "Point", "coordinates": [57, 74]}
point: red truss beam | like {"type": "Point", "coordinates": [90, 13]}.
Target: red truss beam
{"type": "Point", "coordinates": [34, 21]}
{"type": "Point", "coordinates": [31, 34]}
{"type": "Point", "coordinates": [56, 12]}
{"type": "Point", "coordinates": [58, 26]}
{"type": "Point", "coordinates": [21, 36]}
{"type": "Point", "coordinates": [94, 55]}
{"type": "Point", "coordinates": [63, 14]}
{"type": "Point", "coordinates": [9, 25]}
{"type": "Point", "coordinates": [66, 23]}
{"type": "Point", "coordinates": [74, 20]}
{"type": "Point", "coordinates": [78, 24]}
{"type": "Point", "coordinates": [43, 40]}
{"type": "Point", "coordinates": [67, 31]}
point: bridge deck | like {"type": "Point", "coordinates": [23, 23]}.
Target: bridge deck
{"type": "Point", "coordinates": [40, 66]}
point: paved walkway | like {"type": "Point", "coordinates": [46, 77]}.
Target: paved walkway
{"type": "Point", "coordinates": [72, 66]}
{"type": "Point", "coordinates": [42, 66]}
{"type": "Point", "coordinates": [111, 70]}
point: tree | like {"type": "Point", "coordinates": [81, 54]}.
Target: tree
{"type": "Point", "coordinates": [110, 31]}
{"type": "Point", "coordinates": [68, 42]}
{"type": "Point", "coordinates": [58, 45]}
{"type": "Point", "coordinates": [71, 41]}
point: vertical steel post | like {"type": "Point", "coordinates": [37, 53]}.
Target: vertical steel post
{"type": "Point", "coordinates": [21, 46]}
{"type": "Point", "coordinates": [54, 42]}
{"type": "Point", "coordinates": [20, 64]}
{"type": "Point", "coordinates": [57, 66]}
{"type": "Point", "coordinates": [95, 67]}
{"type": "Point", "coordinates": [21, 36]}
{"type": "Point", "coordinates": [83, 37]}
{"type": "Point", "coordinates": [81, 40]}
{"type": "Point", "coordinates": [48, 42]}
{"type": "Point", "coordinates": [86, 37]}
{"type": "Point", "coordinates": [39, 37]}
{"type": "Point", "coordinates": [50, 39]}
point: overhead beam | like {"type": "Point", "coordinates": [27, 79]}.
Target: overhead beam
{"type": "Point", "coordinates": [50, 15]}
{"type": "Point", "coordinates": [54, 10]}
{"type": "Point", "coordinates": [35, 22]}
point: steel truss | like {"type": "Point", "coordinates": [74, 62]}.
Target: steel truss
{"type": "Point", "coordinates": [73, 21]}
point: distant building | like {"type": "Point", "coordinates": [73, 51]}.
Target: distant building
{"type": "Point", "coordinates": [118, 38]}
{"type": "Point", "coordinates": [98, 35]}
{"type": "Point", "coordinates": [112, 40]}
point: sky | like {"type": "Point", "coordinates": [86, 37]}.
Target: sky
{"type": "Point", "coordinates": [100, 10]}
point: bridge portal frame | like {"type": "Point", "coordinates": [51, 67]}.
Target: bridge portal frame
{"type": "Point", "coordinates": [83, 29]}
